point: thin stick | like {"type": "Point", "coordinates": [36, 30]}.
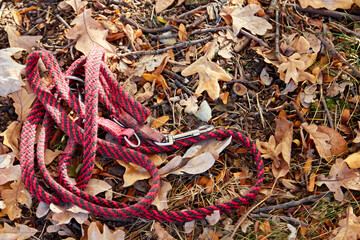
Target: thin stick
{"type": "Point", "coordinates": [175, 20]}
{"type": "Point", "coordinates": [346, 29]}
{"type": "Point", "coordinates": [311, 198]}
{"type": "Point", "coordinates": [277, 36]}
{"type": "Point", "coordinates": [330, 13]}
{"type": "Point", "coordinates": [272, 6]}
{"type": "Point", "coordinates": [193, 11]}
{"type": "Point", "coordinates": [292, 220]}
{"type": "Point", "coordinates": [63, 21]}
{"type": "Point", "coordinates": [302, 119]}
{"type": "Point", "coordinates": [197, 22]}
{"type": "Point", "coordinates": [249, 35]}
{"type": "Point", "coordinates": [333, 51]}
{"type": "Point", "coordinates": [145, 29]}
{"type": "Point", "coordinates": [322, 99]}
{"type": "Point", "coordinates": [159, 51]}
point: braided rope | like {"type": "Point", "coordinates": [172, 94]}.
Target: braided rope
{"type": "Point", "coordinates": [100, 85]}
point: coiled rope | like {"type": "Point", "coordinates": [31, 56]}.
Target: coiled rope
{"type": "Point", "coordinates": [101, 86]}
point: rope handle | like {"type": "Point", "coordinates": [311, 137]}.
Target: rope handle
{"type": "Point", "coordinates": [100, 85]}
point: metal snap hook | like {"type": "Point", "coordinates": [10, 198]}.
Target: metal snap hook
{"type": "Point", "coordinates": [134, 145]}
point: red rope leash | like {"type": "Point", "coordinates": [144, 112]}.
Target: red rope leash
{"type": "Point", "coordinates": [101, 86]}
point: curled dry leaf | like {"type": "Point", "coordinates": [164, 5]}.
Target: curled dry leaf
{"type": "Point", "coordinates": [308, 95]}
{"type": "Point", "coordinates": [349, 227]}
{"type": "Point", "coordinates": [161, 199]}
{"type": "Point", "coordinates": [353, 160]}
{"type": "Point", "coordinates": [190, 104]}
{"type": "Point", "coordinates": [19, 232]}
{"type": "Point", "coordinates": [148, 63]}
{"type": "Point", "coordinates": [213, 218]}
{"type": "Point", "coordinates": [340, 176]}
{"type": "Point", "coordinates": [77, 5]}
{"type": "Point", "coordinates": [23, 101]}
{"type": "Point", "coordinates": [12, 136]}
{"type": "Point", "coordinates": [87, 31]}
{"type": "Point", "coordinates": [327, 141]}
{"type": "Point", "coordinates": [64, 213]}
{"type": "Point", "coordinates": [96, 186]}
{"type": "Point", "coordinates": [209, 75]}
{"type": "Point", "coordinates": [244, 17]}
{"type": "Point", "coordinates": [14, 196]}
{"type": "Point", "coordinates": [50, 155]}
{"type": "Point", "coordinates": [161, 233]}
{"type": "Point", "coordinates": [204, 112]}
{"type": "Point", "coordinates": [328, 4]}
{"type": "Point", "coordinates": [94, 233]}
{"type": "Point", "coordinates": [279, 147]}
{"type": "Point", "coordinates": [357, 131]}
{"type": "Point", "coordinates": [10, 72]}
{"type": "Point", "coordinates": [8, 172]}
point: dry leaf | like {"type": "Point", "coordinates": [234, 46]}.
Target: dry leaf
{"type": "Point", "coordinates": [145, 93]}
{"type": "Point", "coordinates": [13, 197]}
{"type": "Point", "coordinates": [24, 42]}
{"type": "Point", "coordinates": [158, 122]}
{"type": "Point", "coordinates": [10, 72]}
{"type": "Point", "coordinates": [87, 32]}
{"type": "Point", "coordinates": [328, 4]}
{"type": "Point", "coordinates": [349, 227]}
{"type": "Point", "coordinates": [161, 199]}
{"type": "Point", "coordinates": [64, 213]}
{"type": "Point", "coordinates": [19, 232]}
{"type": "Point", "coordinates": [8, 172]}
{"type": "Point", "coordinates": [161, 233]}
{"type": "Point", "coordinates": [213, 218]}
{"type": "Point", "coordinates": [243, 17]}
{"type": "Point", "coordinates": [204, 112]}
{"type": "Point", "coordinates": [357, 131]}
{"type": "Point", "coordinates": [340, 176]}
{"type": "Point", "coordinates": [22, 103]}
{"type": "Point", "coordinates": [327, 141]}
{"type": "Point", "coordinates": [148, 63]}
{"type": "Point", "coordinates": [96, 186]}
{"type": "Point", "coordinates": [209, 75]}
{"type": "Point", "coordinates": [94, 233]}
{"type": "Point", "coordinates": [77, 5]}
{"type": "Point", "coordinates": [190, 104]}
{"type": "Point", "coordinates": [12, 136]}
{"type": "Point", "coordinates": [279, 147]}
{"type": "Point", "coordinates": [182, 32]}
{"type": "Point", "coordinates": [17, 17]}
{"type": "Point", "coordinates": [189, 226]}
{"type": "Point", "coordinates": [50, 155]}
{"type": "Point", "coordinates": [308, 95]}
{"type": "Point", "coordinates": [161, 5]}
{"type": "Point", "coordinates": [353, 160]}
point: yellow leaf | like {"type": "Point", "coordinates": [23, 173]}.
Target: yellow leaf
{"type": "Point", "coordinates": [159, 121]}
{"type": "Point", "coordinates": [353, 160]}
{"type": "Point", "coordinates": [161, 19]}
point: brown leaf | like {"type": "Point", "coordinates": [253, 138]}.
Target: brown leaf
{"type": "Point", "coordinates": [161, 5]}
{"type": "Point", "coordinates": [209, 75]}
{"type": "Point", "coordinates": [349, 227]}
{"type": "Point", "coordinates": [64, 213]}
{"type": "Point", "coordinates": [161, 233]}
{"type": "Point", "coordinates": [22, 103]}
{"type": "Point", "coordinates": [340, 176]}
{"type": "Point", "coordinates": [96, 186]}
{"type": "Point", "coordinates": [190, 104]}
{"type": "Point", "coordinates": [161, 199]}
{"type": "Point", "coordinates": [94, 233]}
{"type": "Point", "coordinates": [243, 17]}
{"type": "Point", "coordinates": [338, 143]}
{"type": "Point", "coordinates": [158, 122]}
{"type": "Point", "coordinates": [328, 4]}
{"type": "Point", "coordinates": [12, 136]}
{"type": "Point", "coordinates": [14, 196]}
{"type": "Point", "coordinates": [321, 140]}
{"type": "Point", "coordinates": [8, 171]}
{"type": "Point", "coordinates": [25, 42]}
{"type": "Point", "coordinates": [182, 32]}
{"type": "Point", "coordinates": [77, 5]}
{"type": "Point", "coordinates": [19, 232]}
{"type": "Point", "coordinates": [353, 160]}
{"type": "Point", "coordinates": [17, 17]}
{"type": "Point", "coordinates": [87, 31]}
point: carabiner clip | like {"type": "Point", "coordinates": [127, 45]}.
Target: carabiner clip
{"type": "Point", "coordinates": [170, 139]}
{"type": "Point", "coordinates": [133, 145]}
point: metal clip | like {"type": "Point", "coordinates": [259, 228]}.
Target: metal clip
{"type": "Point", "coordinates": [134, 145]}
{"type": "Point", "coordinates": [170, 139]}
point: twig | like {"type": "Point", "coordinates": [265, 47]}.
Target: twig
{"type": "Point", "coordinates": [145, 29]}
{"type": "Point", "coordinates": [159, 51]}
{"type": "Point", "coordinates": [292, 220]}
{"type": "Point", "coordinates": [249, 35]}
{"type": "Point", "coordinates": [193, 11]}
{"type": "Point", "coordinates": [346, 29]}
{"type": "Point", "coordinates": [175, 20]}
{"type": "Point", "coordinates": [333, 51]}
{"type": "Point", "coordinates": [311, 198]}
{"type": "Point", "coordinates": [330, 13]}
{"type": "Point", "coordinates": [245, 82]}
{"type": "Point", "coordinates": [302, 119]}
{"type": "Point", "coordinates": [272, 6]}
{"type": "Point", "coordinates": [177, 80]}
{"type": "Point", "coordinates": [322, 99]}
{"type": "Point", "coordinates": [197, 22]}
{"type": "Point", "coordinates": [277, 36]}
{"type": "Point", "coordinates": [63, 21]}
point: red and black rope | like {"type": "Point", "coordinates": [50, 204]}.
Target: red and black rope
{"type": "Point", "coordinates": [100, 85]}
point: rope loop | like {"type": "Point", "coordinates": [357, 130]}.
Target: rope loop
{"type": "Point", "coordinates": [101, 86]}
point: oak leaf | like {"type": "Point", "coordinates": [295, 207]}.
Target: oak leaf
{"type": "Point", "coordinates": [328, 4]}
{"type": "Point", "coordinates": [19, 232]}
{"type": "Point", "coordinates": [327, 141]}
{"type": "Point", "coordinates": [209, 75]}
{"type": "Point", "coordinates": [353, 160]}
{"type": "Point", "coordinates": [340, 176]}
{"type": "Point", "coordinates": [279, 147]}
{"type": "Point", "coordinates": [63, 213]}
{"type": "Point", "coordinates": [349, 227]}
{"type": "Point", "coordinates": [10, 72]}
{"type": "Point", "coordinates": [161, 199]}
{"type": "Point", "coordinates": [94, 233]}
{"type": "Point", "coordinates": [87, 31]}
{"type": "Point", "coordinates": [25, 42]}
{"type": "Point", "coordinates": [12, 136]}
{"type": "Point", "coordinates": [190, 104]}
{"type": "Point", "coordinates": [22, 103]}
{"type": "Point", "coordinates": [161, 233]}
{"type": "Point", "coordinates": [243, 17]}
{"type": "Point", "coordinates": [8, 171]}
{"type": "Point", "coordinates": [14, 196]}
